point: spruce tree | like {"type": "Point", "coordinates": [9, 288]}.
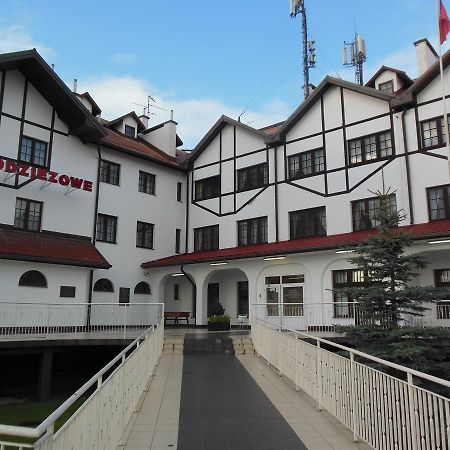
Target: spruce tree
{"type": "Point", "coordinates": [389, 296]}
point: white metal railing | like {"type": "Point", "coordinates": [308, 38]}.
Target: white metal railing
{"type": "Point", "coordinates": [101, 420]}
{"type": "Point", "coordinates": [325, 316]}
{"type": "Point", "coordinates": [43, 320]}
{"type": "Point", "coordinates": [387, 412]}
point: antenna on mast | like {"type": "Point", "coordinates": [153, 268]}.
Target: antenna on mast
{"type": "Point", "coordinates": [357, 52]}
{"type": "Point", "coordinates": [309, 51]}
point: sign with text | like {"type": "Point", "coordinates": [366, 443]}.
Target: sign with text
{"type": "Point", "coordinates": [23, 169]}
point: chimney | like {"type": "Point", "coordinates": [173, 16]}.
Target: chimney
{"type": "Point", "coordinates": [163, 136]}
{"type": "Point", "coordinates": [75, 82]}
{"type": "Point", "coordinates": [426, 56]}
{"type": "Point", "coordinates": [144, 119]}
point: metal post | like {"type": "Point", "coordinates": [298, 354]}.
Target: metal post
{"type": "Point", "coordinates": [412, 418]}
{"type": "Point", "coordinates": [305, 50]}
{"type": "Point", "coordinates": [355, 418]}
{"type": "Point", "coordinates": [319, 376]}
{"type": "Point", "coordinates": [125, 321]}
{"type": "Point", "coordinates": [297, 362]}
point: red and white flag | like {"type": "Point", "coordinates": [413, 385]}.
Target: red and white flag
{"type": "Point", "coordinates": [444, 22]}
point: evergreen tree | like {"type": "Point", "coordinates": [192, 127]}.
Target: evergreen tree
{"type": "Point", "coordinates": [389, 268]}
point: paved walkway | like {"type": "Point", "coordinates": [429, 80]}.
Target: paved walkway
{"type": "Point", "coordinates": [176, 414]}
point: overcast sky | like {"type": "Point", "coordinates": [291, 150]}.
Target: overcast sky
{"type": "Point", "coordinates": [207, 58]}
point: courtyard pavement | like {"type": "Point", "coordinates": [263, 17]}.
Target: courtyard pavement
{"type": "Point", "coordinates": [218, 402]}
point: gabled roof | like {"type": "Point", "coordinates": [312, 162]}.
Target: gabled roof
{"type": "Point", "coordinates": [95, 108]}
{"type": "Point", "coordinates": [119, 120]}
{"type": "Point", "coordinates": [402, 75]}
{"type": "Point", "coordinates": [214, 131]}
{"type": "Point", "coordinates": [436, 229]}
{"type": "Point", "coordinates": [421, 83]}
{"type": "Point", "coordinates": [69, 109]}
{"type": "Point", "coordinates": [52, 248]}
{"type": "Point", "coordinates": [139, 147]}
{"type": "Point", "coordinates": [315, 95]}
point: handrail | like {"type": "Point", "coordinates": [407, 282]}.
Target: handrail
{"type": "Point", "coordinates": [77, 304]}
{"type": "Point", "coordinates": [404, 369]}
{"type": "Point", "coordinates": [46, 423]}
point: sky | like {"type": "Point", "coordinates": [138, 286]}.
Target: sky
{"type": "Point", "coordinates": [204, 59]}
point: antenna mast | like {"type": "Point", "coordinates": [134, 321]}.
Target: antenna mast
{"type": "Point", "coordinates": [309, 52]}
{"type": "Point", "coordinates": [358, 54]}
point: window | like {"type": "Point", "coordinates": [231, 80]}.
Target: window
{"type": "Point", "coordinates": [146, 182]}
{"type": "Point", "coordinates": [207, 188]}
{"type": "Point", "coordinates": [124, 295]}
{"type": "Point", "coordinates": [103, 285]}
{"type": "Point", "coordinates": [387, 87]}
{"type": "Point", "coordinates": [206, 238]}
{"type": "Point", "coordinates": [343, 282]}
{"type": "Point", "coordinates": [176, 292]}
{"type": "Point", "coordinates": [306, 164]}
{"type": "Point", "coordinates": [365, 211]}
{"type": "Point", "coordinates": [177, 240]}
{"type": "Point", "coordinates": [33, 151]}
{"type": "Point", "coordinates": [109, 172]}
{"type": "Point", "coordinates": [252, 231]}
{"type": "Point", "coordinates": [252, 177]}
{"type": "Point", "coordinates": [370, 148]}
{"type": "Point", "coordinates": [106, 228]}
{"type": "Point", "coordinates": [242, 288]}
{"type": "Point", "coordinates": [142, 288]}
{"type": "Point", "coordinates": [67, 291]}
{"type": "Point", "coordinates": [179, 191]}
{"type": "Point", "coordinates": [144, 235]}
{"type": "Point", "coordinates": [130, 131]}
{"type": "Point", "coordinates": [439, 202]}
{"type": "Point", "coordinates": [28, 214]}
{"type": "Point", "coordinates": [433, 134]}
{"type": "Point", "coordinates": [33, 278]}
{"type": "Point", "coordinates": [442, 279]}
{"type": "Point", "coordinates": [307, 222]}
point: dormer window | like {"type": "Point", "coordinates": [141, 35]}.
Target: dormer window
{"type": "Point", "coordinates": [387, 87]}
{"type": "Point", "coordinates": [130, 131]}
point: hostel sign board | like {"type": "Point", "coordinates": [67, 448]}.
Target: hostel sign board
{"type": "Point", "coordinates": [24, 169]}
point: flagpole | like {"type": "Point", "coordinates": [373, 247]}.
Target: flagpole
{"type": "Point", "coordinates": [444, 103]}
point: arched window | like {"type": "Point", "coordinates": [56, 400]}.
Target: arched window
{"type": "Point", "coordinates": [33, 278]}
{"type": "Point", "coordinates": [103, 285]}
{"type": "Point", "coordinates": [142, 288]}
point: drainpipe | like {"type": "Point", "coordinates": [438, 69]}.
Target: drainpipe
{"type": "Point", "coordinates": [194, 289]}
{"type": "Point", "coordinates": [408, 171]}
{"type": "Point", "coordinates": [94, 235]}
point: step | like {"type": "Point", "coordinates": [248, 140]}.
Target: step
{"type": "Point", "coordinates": [209, 345]}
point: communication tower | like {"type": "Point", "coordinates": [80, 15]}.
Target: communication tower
{"type": "Point", "coordinates": [309, 51]}
{"type": "Point", "coordinates": [357, 52]}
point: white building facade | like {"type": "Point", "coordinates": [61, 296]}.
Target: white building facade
{"type": "Point", "coordinates": [250, 216]}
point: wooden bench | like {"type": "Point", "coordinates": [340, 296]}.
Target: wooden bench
{"type": "Point", "coordinates": [175, 315]}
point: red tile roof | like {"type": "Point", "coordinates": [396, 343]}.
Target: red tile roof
{"type": "Point", "coordinates": [271, 130]}
{"type": "Point", "coordinates": [440, 228]}
{"type": "Point", "coordinates": [52, 248]}
{"type": "Point", "coordinates": [138, 147]}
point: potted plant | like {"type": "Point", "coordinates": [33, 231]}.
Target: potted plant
{"type": "Point", "coordinates": [218, 321]}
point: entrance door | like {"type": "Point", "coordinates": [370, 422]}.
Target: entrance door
{"type": "Point", "coordinates": [284, 297]}
{"type": "Point", "coordinates": [242, 298]}
{"type": "Point", "coordinates": [213, 298]}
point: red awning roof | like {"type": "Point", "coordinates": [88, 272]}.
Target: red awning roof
{"type": "Point", "coordinates": [52, 248]}
{"type": "Point", "coordinates": [439, 228]}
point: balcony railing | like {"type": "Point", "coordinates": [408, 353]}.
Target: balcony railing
{"type": "Point", "coordinates": [326, 316]}
{"type": "Point", "coordinates": [113, 394]}
{"type": "Point", "coordinates": [77, 320]}
{"type": "Point", "coordinates": [387, 412]}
